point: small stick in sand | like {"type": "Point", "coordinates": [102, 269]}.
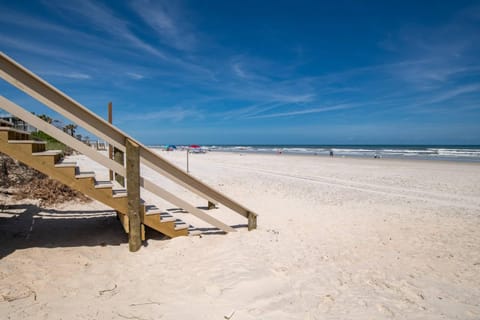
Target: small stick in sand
{"type": "Point", "coordinates": [101, 292]}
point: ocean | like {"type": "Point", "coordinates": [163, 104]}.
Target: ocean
{"type": "Point", "coordinates": [425, 152]}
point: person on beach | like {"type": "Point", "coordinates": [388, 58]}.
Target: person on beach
{"type": "Point", "coordinates": [331, 153]}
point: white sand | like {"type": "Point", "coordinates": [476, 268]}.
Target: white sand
{"type": "Point", "coordinates": [337, 239]}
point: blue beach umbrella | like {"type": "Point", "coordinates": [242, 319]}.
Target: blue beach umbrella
{"type": "Point", "coordinates": [171, 147]}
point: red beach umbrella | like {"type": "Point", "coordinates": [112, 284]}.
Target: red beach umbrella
{"type": "Point", "coordinates": [194, 146]}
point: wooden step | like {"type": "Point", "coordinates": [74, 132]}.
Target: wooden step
{"type": "Point", "coordinates": [28, 142]}
{"type": "Point", "coordinates": [66, 168]}
{"type": "Point", "coordinates": [14, 134]}
{"type": "Point", "coordinates": [14, 130]}
{"type": "Point", "coordinates": [165, 217]}
{"type": "Point", "coordinates": [55, 155]}
{"type": "Point", "coordinates": [151, 209]}
{"type": "Point", "coordinates": [164, 223]}
{"type": "Point", "coordinates": [180, 225]}
{"type": "Point", "coordinates": [84, 174]}
{"type": "Point", "coordinates": [194, 232]}
{"type": "Point", "coordinates": [48, 153]}
{"type": "Point", "coordinates": [103, 184]}
{"type": "Point", "coordinates": [34, 145]}
{"type": "Point", "coordinates": [66, 164]}
{"type": "Point", "coordinates": [154, 210]}
{"type": "Point", "coordinates": [5, 123]}
{"type": "Point", "coordinates": [119, 193]}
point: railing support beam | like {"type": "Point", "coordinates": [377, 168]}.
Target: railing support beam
{"type": "Point", "coordinates": [118, 157]}
{"type": "Point", "coordinates": [133, 194]}
{"type": "Point", "coordinates": [252, 221]}
{"type": "Point", "coordinates": [211, 205]}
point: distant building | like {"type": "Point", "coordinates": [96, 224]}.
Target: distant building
{"type": "Point", "coordinates": [19, 124]}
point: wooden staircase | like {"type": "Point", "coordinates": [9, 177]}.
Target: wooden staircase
{"type": "Point", "coordinates": [132, 211]}
{"type": "Point", "coordinates": [19, 145]}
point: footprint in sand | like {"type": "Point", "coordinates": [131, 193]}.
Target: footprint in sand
{"type": "Point", "coordinates": [385, 310]}
{"type": "Point", "coordinates": [326, 303]}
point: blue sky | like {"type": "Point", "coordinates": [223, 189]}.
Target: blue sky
{"type": "Point", "coordinates": [259, 72]}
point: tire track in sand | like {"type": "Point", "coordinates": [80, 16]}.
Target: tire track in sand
{"type": "Point", "coordinates": [459, 201]}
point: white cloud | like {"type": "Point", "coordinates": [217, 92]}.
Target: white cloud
{"type": "Point", "coordinates": [104, 20]}
{"type": "Point", "coordinates": [135, 76]}
{"type": "Point", "coordinates": [305, 111]}
{"type": "Point", "coordinates": [163, 17]}
{"type": "Point", "coordinates": [452, 93]}
{"type": "Point", "coordinates": [237, 69]}
{"type": "Point", "coordinates": [172, 114]}
{"type": "Point", "coordinates": [76, 75]}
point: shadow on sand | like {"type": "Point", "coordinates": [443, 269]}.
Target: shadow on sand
{"type": "Point", "coordinates": [26, 226]}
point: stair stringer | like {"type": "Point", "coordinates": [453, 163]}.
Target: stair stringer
{"type": "Point", "coordinates": [45, 163]}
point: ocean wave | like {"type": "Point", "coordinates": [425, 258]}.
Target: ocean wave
{"type": "Point", "coordinates": [381, 151]}
{"type": "Point", "coordinates": [428, 152]}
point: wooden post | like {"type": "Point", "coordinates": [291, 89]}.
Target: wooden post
{"type": "Point", "coordinates": [110, 148]}
{"type": "Point", "coordinates": [211, 205]}
{"type": "Point", "coordinates": [252, 221]}
{"type": "Point", "coordinates": [187, 162]}
{"type": "Point", "coordinates": [114, 153]}
{"type": "Point", "coordinates": [133, 194]}
{"type": "Point", "coordinates": [118, 157]}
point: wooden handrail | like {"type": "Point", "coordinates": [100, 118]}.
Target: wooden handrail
{"type": "Point", "coordinates": [39, 89]}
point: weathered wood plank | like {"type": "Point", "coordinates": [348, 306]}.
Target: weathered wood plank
{"type": "Point", "coordinates": [252, 221]}
{"type": "Point", "coordinates": [110, 147]}
{"type": "Point", "coordinates": [133, 194]}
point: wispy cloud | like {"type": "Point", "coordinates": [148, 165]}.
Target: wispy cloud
{"type": "Point", "coordinates": [248, 111]}
{"type": "Point", "coordinates": [104, 20]}
{"type": "Point", "coordinates": [71, 75]}
{"type": "Point", "coordinates": [304, 111]}
{"type": "Point", "coordinates": [162, 17]}
{"type": "Point", "coordinates": [237, 69]}
{"type": "Point", "coordinates": [135, 76]}
{"type": "Point", "coordinates": [454, 92]}
{"type": "Point", "coordinates": [175, 114]}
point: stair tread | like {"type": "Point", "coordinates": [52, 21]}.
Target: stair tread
{"type": "Point", "coordinates": [103, 184]}
{"type": "Point", "coordinates": [119, 193]}
{"type": "Point", "coordinates": [5, 122]}
{"type": "Point", "coordinates": [65, 164]}
{"type": "Point", "coordinates": [167, 219]}
{"type": "Point", "coordinates": [48, 153]}
{"type": "Point", "coordinates": [194, 232]}
{"type": "Point", "coordinates": [85, 174]}
{"type": "Point", "coordinates": [27, 141]}
{"type": "Point", "coordinates": [180, 225]}
{"type": "Point", "coordinates": [152, 209]}
{"type": "Point", "coordinates": [13, 130]}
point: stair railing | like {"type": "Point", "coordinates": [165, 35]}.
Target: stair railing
{"type": "Point", "coordinates": [53, 98]}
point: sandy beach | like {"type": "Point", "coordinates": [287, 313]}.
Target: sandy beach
{"type": "Point", "coordinates": [337, 238]}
